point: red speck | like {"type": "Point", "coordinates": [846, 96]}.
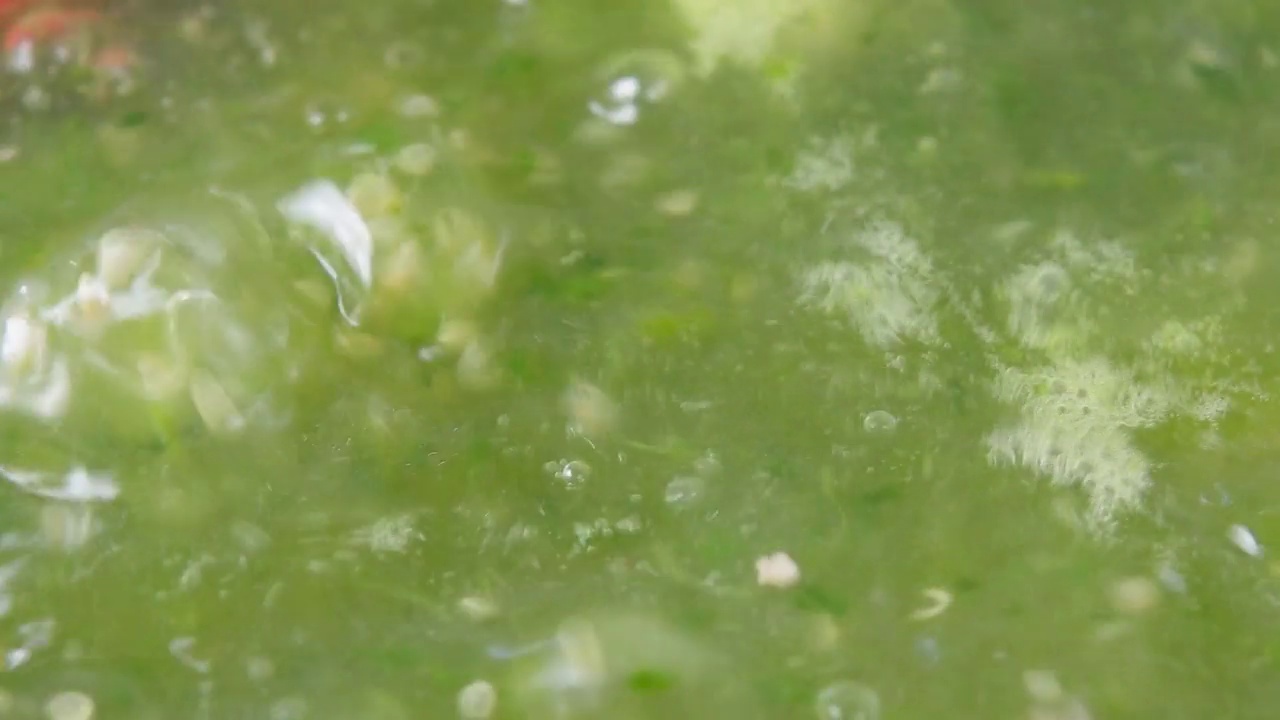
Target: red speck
{"type": "Point", "coordinates": [45, 24]}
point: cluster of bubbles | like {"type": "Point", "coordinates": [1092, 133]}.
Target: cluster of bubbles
{"type": "Point", "coordinates": [889, 296]}
{"type": "Point", "coordinates": [147, 323]}
{"type": "Point", "coordinates": [399, 270]}
{"type": "Point", "coordinates": [1049, 354]}
{"type": "Point", "coordinates": [206, 321]}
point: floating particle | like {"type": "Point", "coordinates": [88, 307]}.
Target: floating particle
{"type": "Point", "coordinates": [1134, 595]}
{"type": "Point", "coordinates": [69, 705]}
{"type": "Point", "coordinates": [684, 491]}
{"type": "Point", "coordinates": [571, 472]}
{"type": "Point", "coordinates": [66, 525]}
{"type": "Point", "coordinates": [393, 534]}
{"type": "Point", "coordinates": [1242, 538]}
{"type": "Point", "coordinates": [125, 253]}
{"type": "Point", "coordinates": [478, 608]}
{"type": "Point", "coordinates": [591, 412]}
{"type": "Point", "coordinates": [214, 405]}
{"type": "Point", "coordinates": [24, 345]}
{"type": "Point", "coordinates": [939, 600]}
{"type": "Point", "coordinates": [824, 165]}
{"type": "Point", "coordinates": [890, 298]}
{"type": "Point", "coordinates": [181, 648]}
{"type": "Point", "coordinates": [777, 570]}
{"type": "Point", "coordinates": [629, 525]}
{"type": "Point", "coordinates": [477, 701]}
{"type": "Point", "coordinates": [476, 369]}
{"type": "Point", "coordinates": [677, 203]}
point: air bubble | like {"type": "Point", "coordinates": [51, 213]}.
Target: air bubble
{"type": "Point", "coordinates": [847, 700]}
{"type": "Point", "coordinates": [70, 705]}
{"type": "Point", "coordinates": [879, 421]}
{"type": "Point", "coordinates": [571, 472]}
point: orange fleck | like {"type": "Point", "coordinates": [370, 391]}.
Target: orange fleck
{"type": "Point", "coordinates": [45, 24]}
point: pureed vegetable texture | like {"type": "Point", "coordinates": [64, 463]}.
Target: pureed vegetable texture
{"type": "Point", "coordinates": [720, 360]}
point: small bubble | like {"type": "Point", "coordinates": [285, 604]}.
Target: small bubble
{"type": "Point", "coordinates": [416, 159]}
{"type": "Point", "coordinates": [418, 106]}
{"type": "Point", "coordinates": [847, 700]}
{"type": "Point", "coordinates": [571, 472]}
{"type": "Point", "coordinates": [879, 421]}
{"type": "Point", "coordinates": [69, 705]}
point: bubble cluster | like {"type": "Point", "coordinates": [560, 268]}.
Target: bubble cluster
{"type": "Point", "coordinates": [890, 298]}
{"type": "Point", "coordinates": [1056, 358]}
{"type": "Point", "coordinates": [1074, 428]}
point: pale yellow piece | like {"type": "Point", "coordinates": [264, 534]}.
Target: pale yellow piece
{"type": "Point", "coordinates": [939, 600]}
{"type": "Point", "coordinates": [478, 701]}
{"type": "Point", "coordinates": [777, 570]}
{"type": "Point", "coordinates": [69, 705]}
{"type": "Point", "coordinates": [214, 405]}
